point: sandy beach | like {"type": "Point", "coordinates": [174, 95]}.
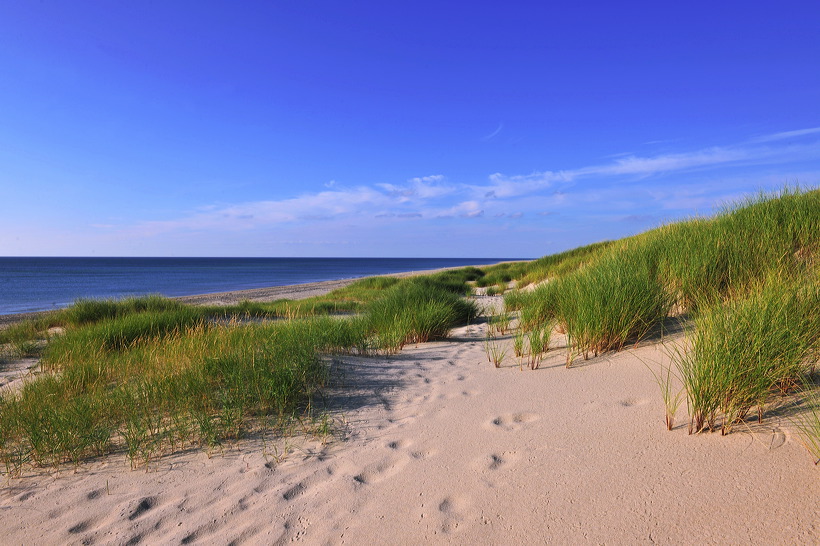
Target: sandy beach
{"type": "Point", "coordinates": [435, 445]}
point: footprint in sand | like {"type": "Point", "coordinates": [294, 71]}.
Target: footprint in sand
{"type": "Point", "coordinates": [144, 506]}
{"type": "Point", "coordinates": [399, 444]}
{"type": "Point", "coordinates": [495, 461]}
{"type": "Point", "coordinates": [778, 438]}
{"type": "Point", "coordinates": [512, 421]}
{"type": "Point", "coordinates": [80, 527]}
{"type": "Point", "coordinates": [377, 472]}
{"type": "Point", "coordinates": [95, 494]}
{"type": "Point", "coordinates": [453, 511]}
{"type": "Point", "coordinates": [630, 402]}
{"type": "Point", "coordinates": [301, 487]}
{"type": "Point", "coordinates": [421, 454]}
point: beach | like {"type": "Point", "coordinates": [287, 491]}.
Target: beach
{"type": "Point", "coordinates": [436, 445]}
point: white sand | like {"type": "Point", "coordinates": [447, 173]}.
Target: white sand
{"type": "Point", "coordinates": [435, 445]}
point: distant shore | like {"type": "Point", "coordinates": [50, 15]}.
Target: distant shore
{"type": "Point", "coordinates": [233, 297]}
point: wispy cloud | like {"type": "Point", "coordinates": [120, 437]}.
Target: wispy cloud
{"type": "Point", "coordinates": [494, 133]}
{"type": "Point", "coordinates": [434, 196]}
{"type": "Point", "coordinates": [787, 135]}
{"type": "Point", "coordinates": [647, 166]}
{"type": "Point", "coordinates": [420, 188]}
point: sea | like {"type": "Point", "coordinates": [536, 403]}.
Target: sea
{"type": "Point", "coordinates": [42, 284]}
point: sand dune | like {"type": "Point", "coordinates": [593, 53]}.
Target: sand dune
{"type": "Point", "coordinates": [435, 445]}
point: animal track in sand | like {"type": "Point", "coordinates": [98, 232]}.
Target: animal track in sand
{"type": "Point", "coordinates": [136, 539]}
{"type": "Point", "coordinates": [27, 495]}
{"type": "Point", "coordinates": [460, 394]}
{"type": "Point", "coordinates": [207, 529]}
{"type": "Point", "coordinates": [512, 421]}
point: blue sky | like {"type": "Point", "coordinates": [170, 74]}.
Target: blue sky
{"type": "Point", "coordinates": [477, 129]}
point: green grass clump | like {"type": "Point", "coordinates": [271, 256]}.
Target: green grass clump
{"type": "Point", "coordinates": [21, 340]}
{"type": "Point", "coordinates": [808, 424]}
{"type": "Point", "coordinates": [197, 386]}
{"type": "Point", "coordinates": [563, 263]}
{"type": "Point", "coordinates": [536, 308]}
{"type": "Point", "coordinates": [502, 274]}
{"type": "Point", "coordinates": [748, 348]}
{"type": "Point", "coordinates": [603, 306]}
{"type": "Point", "coordinates": [86, 311]}
{"type": "Point", "coordinates": [539, 343]}
{"type": "Point", "coordinates": [417, 310]}
{"type": "Point", "coordinates": [707, 260]}
{"type": "Point", "coordinates": [460, 276]}
{"type": "Point", "coordinates": [119, 333]}
{"type": "Point", "coordinates": [151, 377]}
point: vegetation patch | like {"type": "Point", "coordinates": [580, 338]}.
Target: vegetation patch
{"type": "Point", "coordinates": [152, 377]}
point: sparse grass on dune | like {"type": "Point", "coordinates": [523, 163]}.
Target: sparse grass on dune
{"type": "Point", "coordinates": [194, 386]}
{"type": "Point", "coordinates": [747, 349]}
{"type": "Point", "coordinates": [85, 311]}
{"type": "Point", "coordinates": [605, 305]}
{"type": "Point", "coordinates": [21, 340]}
{"type": "Point", "coordinates": [154, 377]}
{"type": "Point", "coordinates": [808, 422]}
{"type": "Point", "coordinates": [748, 277]}
{"type": "Point", "coordinates": [693, 264]}
{"type": "Point", "coordinates": [417, 310]}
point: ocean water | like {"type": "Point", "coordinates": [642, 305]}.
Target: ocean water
{"type": "Point", "coordinates": [40, 284]}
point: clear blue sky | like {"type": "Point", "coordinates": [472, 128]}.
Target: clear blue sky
{"type": "Point", "coordinates": [468, 129]}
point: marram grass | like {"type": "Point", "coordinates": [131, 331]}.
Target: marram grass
{"type": "Point", "coordinates": [153, 377]}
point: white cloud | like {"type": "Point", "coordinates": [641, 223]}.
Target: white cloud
{"type": "Point", "coordinates": [787, 135]}
{"type": "Point", "coordinates": [494, 133]}
{"type": "Point", "coordinates": [434, 197]}
{"type": "Point", "coordinates": [502, 186]}
{"type": "Point", "coordinates": [420, 188]}
{"type": "Point", "coordinates": [646, 166]}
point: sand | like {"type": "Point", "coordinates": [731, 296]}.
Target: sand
{"type": "Point", "coordinates": [435, 445]}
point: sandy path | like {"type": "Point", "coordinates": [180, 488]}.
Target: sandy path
{"type": "Point", "coordinates": [435, 445]}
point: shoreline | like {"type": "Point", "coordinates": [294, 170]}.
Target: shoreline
{"type": "Point", "coordinates": [265, 294]}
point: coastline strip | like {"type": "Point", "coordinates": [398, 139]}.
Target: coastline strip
{"type": "Point", "coordinates": [272, 293]}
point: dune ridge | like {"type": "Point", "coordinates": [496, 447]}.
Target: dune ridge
{"type": "Point", "coordinates": [436, 445]}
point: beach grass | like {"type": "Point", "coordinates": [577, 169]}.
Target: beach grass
{"type": "Point", "coordinates": [808, 422]}
{"type": "Point", "coordinates": [748, 349]}
{"type": "Point", "coordinates": [418, 310]}
{"type": "Point", "coordinates": [153, 377]}
{"type": "Point", "coordinates": [606, 305]}
{"type": "Point", "coordinates": [746, 278]}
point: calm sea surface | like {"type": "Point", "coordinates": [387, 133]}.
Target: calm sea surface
{"type": "Point", "coordinates": [39, 284]}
